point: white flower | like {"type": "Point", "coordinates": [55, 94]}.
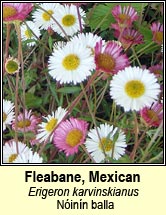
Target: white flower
{"type": "Point", "coordinates": [8, 113]}
{"type": "Point", "coordinates": [42, 19]}
{"type": "Point", "coordinates": [29, 31]}
{"type": "Point", "coordinates": [67, 17]}
{"type": "Point", "coordinates": [72, 63]}
{"type": "Point", "coordinates": [134, 88]}
{"type": "Point", "coordinates": [111, 143]}
{"type": "Point", "coordinates": [52, 120]}
{"type": "Point", "coordinates": [29, 158]}
{"type": "Point", "coordinates": [10, 151]}
{"type": "Point", "coordinates": [87, 39]}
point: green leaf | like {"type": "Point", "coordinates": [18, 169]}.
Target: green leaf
{"type": "Point", "coordinates": [32, 101]}
{"type": "Point", "coordinates": [146, 32]}
{"type": "Point", "coordinates": [50, 42]}
{"type": "Point", "coordinates": [68, 90]}
{"type": "Point", "coordinates": [102, 18]}
{"type": "Point", "coordinates": [54, 92]}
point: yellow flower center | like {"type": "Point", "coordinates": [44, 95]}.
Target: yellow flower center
{"type": "Point", "coordinates": [51, 124]}
{"type": "Point", "coordinates": [46, 16]}
{"type": "Point", "coordinates": [24, 123]}
{"type": "Point", "coordinates": [12, 66]}
{"type": "Point", "coordinates": [68, 20]}
{"type": "Point", "coordinates": [9, 11]}
{"type": "Point", "coordinates": [105, 144]}
{"type": "Point", "coordinates": [123, 18]}
{"type": "Point", "coordinates": [28, 33]}
{"type": "Point", "coordinates": [71, 62]}
{"type": "Point", "coordinates": [159, 37]}
{"type": "Point", "coordinates": [4, 116]}
{"type": "Point", "coordinates": [153, 115]}
{"type": "Point", "coordinates": [74, 137]}
{"type": "Point", "coordinates": [12, 158]}
{"type": "Point", "coordinates": [134, 88]}
{"type": "Point", "coordinates": [105, 62]}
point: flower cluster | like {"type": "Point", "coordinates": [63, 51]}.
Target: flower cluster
{"type": "Point", "coordinates": [81, 94]}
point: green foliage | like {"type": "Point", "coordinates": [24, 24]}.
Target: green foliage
{"type": "Point", "coordinates": [101, 17]}
{"type": "Point", "coordinates": [32, 101]}
{"type": "Point", "coordinates": [68, 90]}
{"type": "Point", "coordinates": [44, 94]}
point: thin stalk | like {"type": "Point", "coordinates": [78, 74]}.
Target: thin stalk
{"type": "Point", "coordinates": [79, 18]}
{"type": "Point", "coordinates": [8, 28]}
{"type": "Point", "coordinates": [93, 118]}
{"type": "Point", "coordinates": [74, 103]}
{"type": "Point", "coordinates": [20, 59]}
{"type": "Point", "coordinates": [157, 157]}
{"type": "Point", "coordinates": [136, 131]}
{"type": "Point", "coordinates": [133, 50]}
{"type": "Point", "coordinates": [89, 156]}
{"type": "Point", "coordinates": [152, 141]}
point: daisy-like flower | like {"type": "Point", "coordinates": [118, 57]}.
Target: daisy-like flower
{"type": "Point", "coordinates": [30, 31]}
{"type": "Point", "coordinates": [46, 129]}
{"type": "Point", "coordinates": [152, 116]}
{"type": "Point", "coordinates": [157, 70]}
{"type": "Point", "coordinates": [124, 16]}
{"type": "Point", "coordinates": [13, 12]}
{"type": "Point", "coordinates": [28, 158]}
{"type": "Point", "coordinates": [29, 124]}
{"type": "Point", "coordinates": [42, 19]}
{"type": "Point", "coordinates": [110, 58]}
{"type": "Point", "coordinates": [12, 65]}
{"type": "Point", "coordinates": [67, 17]}
{"type": "Point", "coordinates": [110, 143]}
{"type": "Point", "coordinates": [10, 151]}
{"type": "Point", "coordinates": [157, 30]}
{"type": "Point", "coordinates": [70, 134]}
{"type": "Point", "coordinates": [129, 37]}
{"type": "Point", "coordinates": [8, 113]}
{"type": "Point", "coordinates": [87, 39]}
{"type": "Point", "coordinates": [134, 88]}
{"type": "Point", "coordinates": [72, 63]}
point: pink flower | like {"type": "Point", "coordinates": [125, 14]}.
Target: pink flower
{"type": "Point", "coordinates": [125, 16]}
{"type": "Point", "coordinates": [30, 122]}
{"type": "Point", "coordinates": [157, 30]}
{"type": "Point", "coordinates": [69, 135]}
{"type": "Point", "coordinates": [109, 58]}
{"type": "Point", "coordinates": [157, 70]}
{"type": "Point", "coordinates": [129, 37]}
{"type": "Point", "coordinates": [153, 115]}
{"type": "Point", "coordinates": [16, 11]}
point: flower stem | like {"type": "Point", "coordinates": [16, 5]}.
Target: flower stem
{"type": "Point", "coordinates": [8, 27]}
{"type": "Point", "coordinates": [152, 141]}
{"type": "Point", "coordinates": [79, 18]}
{"type": "Point", "coordinates": [136, 143]}
{"type": "Point", "coordinates": [20, 58]}
{"type": "Point", "coordinates": [74, 103]}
